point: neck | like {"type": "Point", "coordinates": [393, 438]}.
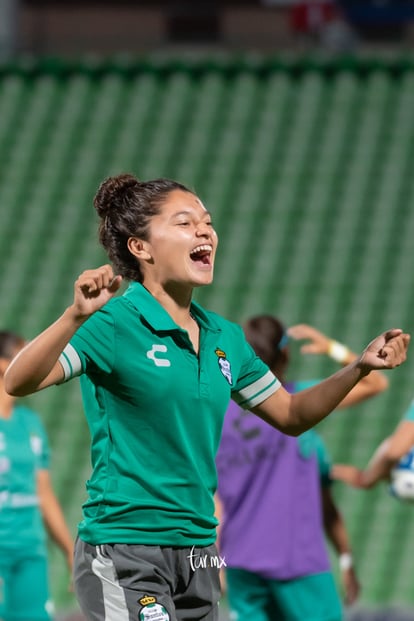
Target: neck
{"type": "Point", "coordinates": [175, 300]}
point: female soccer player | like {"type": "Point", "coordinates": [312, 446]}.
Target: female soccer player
{"type": "Point", "coordinates": [27, 505]}
{"type": "Point", "coordinates": [157, 373]}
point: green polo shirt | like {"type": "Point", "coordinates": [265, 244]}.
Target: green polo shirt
{"type": "Point", "coordinates": [155, 411]}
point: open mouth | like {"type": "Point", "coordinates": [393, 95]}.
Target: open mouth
{"type": "Point", "coordinates": [201, 255]}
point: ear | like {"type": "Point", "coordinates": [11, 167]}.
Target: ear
{"type": "Point", "coordinates": [139, 248]}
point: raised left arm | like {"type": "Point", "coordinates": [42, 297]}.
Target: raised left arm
{"type": "Point", "coordinates": [294, 414]}
{"type": "Point", "coordinates": [315, 342]}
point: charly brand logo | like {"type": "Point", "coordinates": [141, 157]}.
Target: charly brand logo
{"type": "Point", "coordinates": [204, 561]}
{"type": "Point", "coordinates": [224, 365]}
{"type": "Point", "coordinates": [159, 362]}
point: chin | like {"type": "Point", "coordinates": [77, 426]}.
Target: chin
{"type": "Point", "coordinates": [200, 278]}
{"type": "Point", "coordinates": [203, 281]}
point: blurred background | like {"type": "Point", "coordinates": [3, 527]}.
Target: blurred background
{"type": "Point", "coordinates": [294, 122]}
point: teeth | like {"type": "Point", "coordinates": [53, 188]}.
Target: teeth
{"type": "Point", "coordinates": [206, 247]}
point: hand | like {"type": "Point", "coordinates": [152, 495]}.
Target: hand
{"type": "Point", "coordinates": [350, 585]}
{"type": "Point", "coordinates": [347, 474]}
{"type": "Point", "coordinates": [387, 351]}
{"type": "Point", "coordinates": [93, 289]}
{"type": "Point", "coordinates": [318, 342]}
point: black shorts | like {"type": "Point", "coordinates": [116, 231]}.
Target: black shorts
{"type": "Point", "coordinates": [129, 582]}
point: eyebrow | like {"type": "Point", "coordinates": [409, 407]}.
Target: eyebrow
{"type": "Point", "coordinates": [190, 213]}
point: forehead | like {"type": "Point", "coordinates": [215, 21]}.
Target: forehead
{"type": "Point", "coordinates": [179, 201]}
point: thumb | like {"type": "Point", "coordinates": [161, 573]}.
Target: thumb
{"type": "Point", "coordinates": [115, 284]}
{"type": "Point", "coordinates": [381, 341]}
{"type": "Point", "coordinates": [390, 334]}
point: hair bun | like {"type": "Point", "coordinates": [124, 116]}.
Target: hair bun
{"type": "Point", "coordinates": [111, 193]}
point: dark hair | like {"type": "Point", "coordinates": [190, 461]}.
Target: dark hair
{"type": "Point", "coordinates": [267, 335]}
{"type": "Point", "coordinates": [126, 206]}
{"type": "Point", "coordinates": [9, 341]}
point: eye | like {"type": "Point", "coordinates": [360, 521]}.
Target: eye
{"type": "Point", "coordinates": [183, 223]}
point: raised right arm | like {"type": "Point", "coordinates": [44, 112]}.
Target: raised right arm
{"type": "Point", "coordinates": [37, 365]}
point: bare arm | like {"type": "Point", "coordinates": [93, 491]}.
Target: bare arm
{"type": "Point", "coordinates": [53, 516]}
{"type": "Point", "coordinates": [388, 453]}
{"type": "Point", "coordinates": [317, 343]}
{"type": "Point", "coordinates": [336, 532]}
{"type": "Point", "coordinates": [296, 413]}
{"type": "Point", "coordinates": [218, 512]}
{"type": "Point", "coordinates": [37, 365]}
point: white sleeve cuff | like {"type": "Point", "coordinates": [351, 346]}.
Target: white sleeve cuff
{"type": "Point", "coordinates": [256, 393]}
{"type": "Point", "coordinates": [70, 361]}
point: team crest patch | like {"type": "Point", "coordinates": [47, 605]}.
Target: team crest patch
{"type": "Point", "coordinates": [224, 365]}
{"type": "Point", "coordinates": [151, 610]}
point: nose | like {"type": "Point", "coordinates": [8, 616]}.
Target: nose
{"type": "Point", "coordinates": [203, 230]}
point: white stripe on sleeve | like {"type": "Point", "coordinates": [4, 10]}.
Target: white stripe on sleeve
{"type": "Point", "coordinates": [70, 361]}
{"type": "Point", "coordinates": [256, 393]}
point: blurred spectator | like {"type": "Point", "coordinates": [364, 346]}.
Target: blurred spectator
{"type": "Point", "coordinates": [27, 505]}
{"type": "Point", "coordinates": [321, 22]}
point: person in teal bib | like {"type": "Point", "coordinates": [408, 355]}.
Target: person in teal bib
{"type": "Point", "coordinates": [157, 373]}
{"type": "Point", "coordinates": [27, 504]}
